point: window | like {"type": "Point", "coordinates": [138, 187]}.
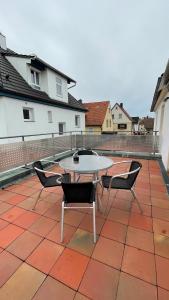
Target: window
{"type": "Point", "coordinates": [110, 123]}
{"type": "Point", "coordinates": [107, 123]}
{"type": "Point", "coordinates": [112, 116]}
{"type": "Point", "coordinates": [35, 82]}
{"type": "Point", "coordinates": [59, 86]}
{"type": "Point", "coordinates": [62, 128]}
{"type": "Point", "coordinates": [122, 126]}
{"type": "Point", "coordinates": [28, 114]}
{"type": "Point", "coordinates": [120, 116]}
{"type": "Point", "coordinates": [90, 130]}
{"type": "Point", "coordinates": [50, 117]}
{"type": "Point", "coordinates": [77, 121]}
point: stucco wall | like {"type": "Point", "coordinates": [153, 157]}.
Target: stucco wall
{"type": "Point", "coordinates": [163, 128]}
{"type": "Point", "coordinates": [124, 120]}
{"type": "Point", "coordinates": [12, 122]}
{"type": "Point", "coordinates": [108, 117]}
{"type": "Point", "coordinates": [93, 129]}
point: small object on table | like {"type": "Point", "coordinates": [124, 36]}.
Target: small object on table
{"type": "Point", "coordinates": [76, 159]}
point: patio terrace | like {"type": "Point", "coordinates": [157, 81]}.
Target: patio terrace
{"type": "Point", "coordinates": [129, 261]}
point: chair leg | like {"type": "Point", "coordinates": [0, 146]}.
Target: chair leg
{"type": "Point", "coordinates": [62, 221]}
{"type": "Point", "coordinates": [37, 199]}
{"type": "Point", "coordinates": [94, 222]}
{"type": "Point", "coordinates": [135, 198]}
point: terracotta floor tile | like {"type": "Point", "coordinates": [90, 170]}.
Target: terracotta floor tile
{"type": "Point", "coordinates": [140, 222]}
{"type": "Point", "coordinates": [70, 268]}
{"type": "Point", "coordinates": [22, 190]}
{"type": "Point", "coordinates": [27, 203]}
{"type": "Point", "coordinates": [24, 245]}
{"type": "Point", "coordinates": [42, 226]}
{"type": "Point", "coordinates": [23, 284]}
{"type": "Point", "coordinates": [118, 215]}
{"type": "Point", "coordinates": [54, 212]}
{"type": "Point", "coordinates": [161, 227]}
{"type": "Point", "coordinates": [8, 265]}
{"type": "Point", "coordinates": [82, 241]}
{"type": "Point", "coordinates": [122, 204]}
{"type": "Point", "coordinates": [161, 243]}
{"type": "Point", "coordinates": [160, 213]}
{"type": "Point", "coordinates": [12, 214]}
{"type": "Point", "coordinates": [54, 234]}
{"type": "Point", "coordinates": [162, 267]}
{"type": "Point", "coordinates": [109, 252]}
{"type": "Point", "coordinates": [140, 264]}
{"type": "Point", "coordinates": [27, 219]}
{"type": "Point", "coordinates": [4, 207]}
{"type": "Point", "coordinates": [80, 297]}
{"type": "Point", "coordinates": [52, 289]}
{"type": "Point", "coordinates": [146, 209]}
{"type": "Point", "coordinates": [140, 239]}
{"type": "Point", "coordinates": [73, 218]}
{"type": "Point", "coordinates": [114, 231]}
{"type": "Point", "coordinates": [131, 288]}
{"type": "Point", "coordinates": [9, 234]}
{"type": "Point", "coordinates": [99, 282]}
{"type": "Point", "coordinates": [160, 195]}
{"type": "Point", "coordinates": [163, 294]}
{"type": "Point", "coordinates": [3, 224]}
{"type": "Point", "coordinates": [160, 203]}
{"type": "Point", "coordinates": [6, 195]}
{"type": "Point", "coordinates": [45, 255]}
{"type": "Point", "coordinates": [87, 223]}
{"type": "Point", "coordinates": [16, 199]}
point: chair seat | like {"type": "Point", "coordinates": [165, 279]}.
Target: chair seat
{"type": "Point", "coordinates": [117, 182]}
{"type": "Point", "coordinates": [51, 181]}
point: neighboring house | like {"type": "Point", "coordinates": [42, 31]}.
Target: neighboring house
{"type": "Point", "coordinates": [98, 117]}
{"type": "Point", "coordinates": [146, 124]}
{"type": "Point", "coordinates": [121, 119]}
{"type": "Point", "coordinates": [160, 105]}
{"type": "Point", "coordinates": [135, 124]}
{"type": "Point", "coordinates": [34, 96]}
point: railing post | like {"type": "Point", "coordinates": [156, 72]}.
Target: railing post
{"type": "Point", "coordinates": [71, 147]}
{"type": "Point", "coordinates": [25, 152]}
{"type": "Point", "coordinates": [154, 143]}
{"type": "Point", "coordinates": [53, 144]}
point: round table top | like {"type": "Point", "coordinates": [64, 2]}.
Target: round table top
{"type": "Point", "coordinates": [86, 164]}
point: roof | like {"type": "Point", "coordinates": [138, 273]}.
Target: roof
{"type": "Point", "coordinates": [13, 84]}
{"type": "Point", "coordinates": [147, 122]}
{"type": "Point", "coordinates": [156, 93]}
{"type": "Point", "coordinates": [124, 111]}
{"type": "Point", "coordinates": [96, 112]}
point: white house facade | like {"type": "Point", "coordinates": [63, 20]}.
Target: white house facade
{"type": "Point", "coordinates": [160, 106]}
{"type": "Point", "coordinates": [34, 97]}
{"type": "Point", "coordinates": [122, 122]}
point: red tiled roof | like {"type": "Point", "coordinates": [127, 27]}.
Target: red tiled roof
{"type": "Point", "coordinates": [96, 112]}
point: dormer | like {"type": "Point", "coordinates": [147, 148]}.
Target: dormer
{"type": "Point", "coordinates": [42, 76]}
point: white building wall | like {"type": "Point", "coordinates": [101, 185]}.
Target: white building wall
{"type": "Point", "coordinates": [163, 128]}
{"type": "Point", "coordinates": [51, 77]}
{"type": "Point", "coordinates": [13, 123]}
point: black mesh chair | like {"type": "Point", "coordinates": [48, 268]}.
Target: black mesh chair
{"type": "Point", "coordinates": [84, 151]}
{"type": "Point", "coordinates": [124, 181]}
{"type": "Point", "coordinates": [79, 192]}
{"type": "Point", "coordinates": [50, 181]}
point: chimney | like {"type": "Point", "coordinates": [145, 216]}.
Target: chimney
{"type": "Point", "coordinates": [121, 105]}
{"type": "Point", "coordinates": [3, 41]}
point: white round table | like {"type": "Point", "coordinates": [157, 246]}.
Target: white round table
{"type": "Point", "coordinates": [87, 164]}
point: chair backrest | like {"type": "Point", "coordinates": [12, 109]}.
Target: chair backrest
{"type": "Point", "coordinates": [132, 177]}
{"type": "Point", "coordinates": [79, 192]}
{"type": "Point", "coordinates": [85, 152]}
{"type": "Point", "coordinates": [41, 176]}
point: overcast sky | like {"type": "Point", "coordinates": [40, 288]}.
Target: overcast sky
{"type": "Point", "coordinates": [114, 49]}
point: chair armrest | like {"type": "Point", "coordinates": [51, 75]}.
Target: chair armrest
{"type": "Point", "coordinates": [123, 174]}
{"type": "Point", "coordinates": [122, 162]}
{"type": "Point", "coordinates": [75, 153]}
{"type": "Point", "coordinates": [95, 153]}
{"type": "Point", "coordinates": [48, 172]}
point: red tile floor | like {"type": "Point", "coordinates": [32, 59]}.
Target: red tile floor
{"type": "Point", "coordinates": [129, 261]}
